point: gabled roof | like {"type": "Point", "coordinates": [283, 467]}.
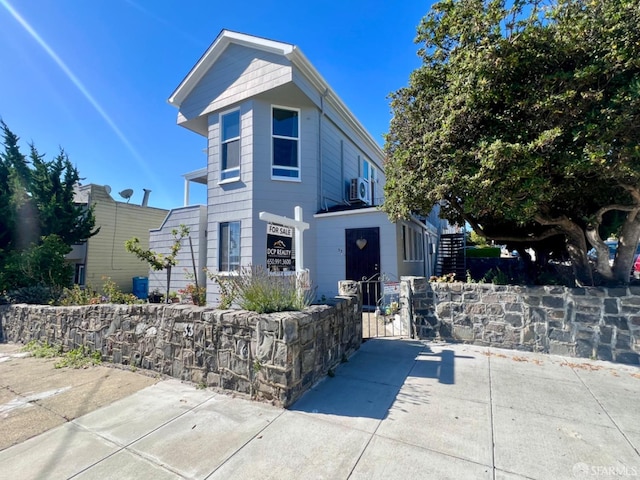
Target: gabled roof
{"type": "Point", "coordinates": [219, 45]}
{"type": "Point", "coordinates": [292, 53]}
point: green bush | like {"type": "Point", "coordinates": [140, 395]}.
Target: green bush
{"type": "Point", "coordinates": [77, 295]}
{"type": "Point", "coordinates": [113, 293]}
{"type": "Point", "coordinates": [42, 264]}
{"type": "Point", "coordinates": [34, 295]}
{"type": "Point", "coordinates": [483, 252]}
{"type": "Point", "coordinates": [496, 276]}
{"type": "Point", "coordinates": [227, 287]}
{"type": "Point", "coordinates": [258, 290]}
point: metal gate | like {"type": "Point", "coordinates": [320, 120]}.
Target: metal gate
{"type": "Point", "coordinates": [381, 311]}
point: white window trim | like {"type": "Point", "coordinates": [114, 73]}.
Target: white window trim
{"type": "Point", "coordinates": [413, 244]}
{"type": "Point", "coordinates": [298, 168]}
{"type": "Point", "coordinates": [229, 272]}
{"type": "Point", "coordinates": [222, 142]}
{"type": "Point", "coordinates": [370, 179]}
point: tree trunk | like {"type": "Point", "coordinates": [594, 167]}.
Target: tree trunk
{"type": "Point", "coordinates": [577, 250]}
{"type": "Point", "coordinates": [603, 266]}
{"type": "Point", "coordinates": [166, 299]}
{"type": "Point", "coordinates": [626, 252]}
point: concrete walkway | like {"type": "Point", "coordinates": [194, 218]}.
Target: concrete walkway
{"type": "Point", "coordinates": [399, 409]}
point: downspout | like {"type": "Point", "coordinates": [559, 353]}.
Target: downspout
{"type": "Point", "coordinates": [320, 183]}
{"type": "Point", "coordinates": [86, 242]}
{"type": "Point", "coordinates": [344, 201]}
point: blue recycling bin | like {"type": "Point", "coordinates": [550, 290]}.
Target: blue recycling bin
{"type": "Point", "coordinates": [141, 287]}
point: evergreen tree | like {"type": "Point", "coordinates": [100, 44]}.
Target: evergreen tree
{"type": "Point", "coordinates": [39, 221]}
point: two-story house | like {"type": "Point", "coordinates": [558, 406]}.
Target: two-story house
{"type": "Point", "coordinates": [278, 136]}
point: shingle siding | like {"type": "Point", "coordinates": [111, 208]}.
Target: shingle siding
{"type": "Point", "coordinates": [162, 239]}
{"type": "Point", "coordinates": [239, 74]}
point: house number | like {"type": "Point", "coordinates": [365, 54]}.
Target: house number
{"type": "Point", "coordinates": [188, 330]}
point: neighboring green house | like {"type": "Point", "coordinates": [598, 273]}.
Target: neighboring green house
{"type": "Point", "coordinates": [104, 255]}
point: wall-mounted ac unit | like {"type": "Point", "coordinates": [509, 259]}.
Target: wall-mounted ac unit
{"type": "Point", "coordinates": [359, 190]}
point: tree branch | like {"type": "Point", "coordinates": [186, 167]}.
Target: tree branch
{"type": "Point", "coordinates": [552, 232]}
{"type": "Point", "coordinates": [633, 190]}
{"type": "Point", "coordinates": [608, 208]}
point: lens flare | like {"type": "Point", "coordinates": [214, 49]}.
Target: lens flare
{"type": "Point", "coordinates": [79, 85]}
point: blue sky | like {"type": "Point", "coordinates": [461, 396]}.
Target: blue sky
{"type": "Point", "coordinates": [93, 76]}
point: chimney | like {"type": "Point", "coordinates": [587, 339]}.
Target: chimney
{"type": "Point", "coordinates": [145, 198]}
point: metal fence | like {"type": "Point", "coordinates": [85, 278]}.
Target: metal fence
{"type": "Point", "coordinates": [381, 308]}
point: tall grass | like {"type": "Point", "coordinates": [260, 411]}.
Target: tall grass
{"type": "Point", "coordinates": [258, 290]}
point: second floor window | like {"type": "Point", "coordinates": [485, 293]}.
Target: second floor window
{"type": "Point", "coordinates": [230, 140]}
{"type": "Point", "coordinates": [369, 174]}
{"type": "Point", "coordinates": [286, 138]}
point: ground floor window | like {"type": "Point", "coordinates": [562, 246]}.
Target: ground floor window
{"type": "Point", "coordinates": [412, 244]}
{"type": "Point", "coordinates": [78, 276]}
{"type": "Point", "coordinates": [229, 247]}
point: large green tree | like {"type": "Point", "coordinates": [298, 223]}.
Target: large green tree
{"type": "Point", "coordinates": [524, 121]}
{"type": "Point", "coordinates": [39, 221]}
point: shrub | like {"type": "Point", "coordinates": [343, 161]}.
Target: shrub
{"type": "Point", "coordinates": [39, 265]}
{"type": "Point", "coordinates": [483, 252]}
{"type": "Point", "coordinates": [77, 295]}
{"type": "Point", "coordinates": [259, 290]}
{"type": "Point", "coordinates": [446, 278]}
{"type": "Point", "coordinates": [34, 295]}
{"type": "Point", "coordinates": [496, 276]}
{"type": "Point", "coordinates": [113, 293]}
{"type": "Point", "coordinates": [227, 288]}
{"type": "Point", "coordinates": [198, 295]}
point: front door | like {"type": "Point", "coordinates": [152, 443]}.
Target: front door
{"type": "Point", "coordinates": [362, 252]}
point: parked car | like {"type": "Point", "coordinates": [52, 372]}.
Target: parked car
{"type": "Point", "coordinates": [613, 246]}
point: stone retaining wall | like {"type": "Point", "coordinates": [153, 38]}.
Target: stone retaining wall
{"type": "Point", "coordinates": [601, 323]}
{"type": "Point", "coordinates": [274, 357]}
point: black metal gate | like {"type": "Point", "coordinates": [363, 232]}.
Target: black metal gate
{"type": "Point", "coordinates": [380, 319]}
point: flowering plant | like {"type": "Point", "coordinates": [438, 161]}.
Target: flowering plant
{"type": "Point", "coordinates": [198, 294]}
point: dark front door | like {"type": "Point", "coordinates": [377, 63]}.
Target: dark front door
{"type": "Point", "coordinates": [362, 252]}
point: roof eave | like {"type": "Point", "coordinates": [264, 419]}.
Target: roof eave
{"type": "Point", "coordinates": [306, 67]}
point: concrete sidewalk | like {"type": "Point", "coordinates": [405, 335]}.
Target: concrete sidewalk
{"type": "Point", "coordinates": [399, 409]}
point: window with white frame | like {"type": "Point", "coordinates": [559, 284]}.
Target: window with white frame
{"type": "Point", "coordinates": [412, 244]}
{"type": "Point", "coordinates": [229, 247]}
{"type": "Point", "coordinates": [368, 172]}
{"type": "Point", "coordinates": [285, 133]}
{"type": "Point", "coordinates": [230, 145]}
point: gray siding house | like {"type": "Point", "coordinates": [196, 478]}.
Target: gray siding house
{"type": "Point", "coordinates": [278, 136]}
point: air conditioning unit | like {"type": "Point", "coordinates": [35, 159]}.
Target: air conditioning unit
{"type": "Point", "coordinates": [359, 190]}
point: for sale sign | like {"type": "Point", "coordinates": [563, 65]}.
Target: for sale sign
{"type": "Point", "coordinates": [280, 248]}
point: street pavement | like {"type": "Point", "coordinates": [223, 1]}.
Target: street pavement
{"type": "Point", "coordinates": [398, 409]}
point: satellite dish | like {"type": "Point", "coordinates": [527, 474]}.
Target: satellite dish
{"type": "Point", "coordinates": [126, 194]}
{"type": "Point", "coordinates": [107, 188]}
